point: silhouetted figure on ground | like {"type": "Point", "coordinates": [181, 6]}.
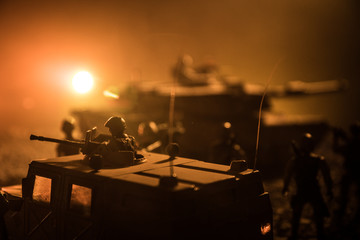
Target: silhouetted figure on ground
{"type": "Point", "coordinates": [65, 149]}
{"type": "Point", "coordinates": [149, 137]}
{"type": "Point", "coordinates": [304, 168]}
{"type": "Point", "coordinates": [349, 148]}
{"type": "Point", "coordinates": [154, 137]}
{"type": "Point", "coordinates": [226, 148]}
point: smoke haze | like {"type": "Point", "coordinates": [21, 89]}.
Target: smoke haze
{"type": "Point", "coordinates": [44, 43]}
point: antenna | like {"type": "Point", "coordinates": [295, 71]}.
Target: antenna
{"type": "Point", "coordinates": [172, 148]}
{"type": "Point", "coordinates": [171, 125]}
{"type": "Point", "coordinates": [260, 111]}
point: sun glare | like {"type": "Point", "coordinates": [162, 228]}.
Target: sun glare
{"type": "Point", "coordinates": [82, 82]}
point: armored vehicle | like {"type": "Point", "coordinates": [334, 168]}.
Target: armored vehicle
{"type": "Point", "coordinates": [63, 198]}
{"type": "Point", "coordinates": [203, 109]}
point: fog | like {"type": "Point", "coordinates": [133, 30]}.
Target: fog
{"type": "Point", "coordinates": [44, 43]}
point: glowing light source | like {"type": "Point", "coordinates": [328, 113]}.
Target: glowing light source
{"type": "Point", "coordinates": [227, 125]}
{"type": "Point", "coordinates": [109, 94]}
{"type": "Point", "coordinates": [82, 82]}
{"type": "Point", "coordinates": [266, 228]}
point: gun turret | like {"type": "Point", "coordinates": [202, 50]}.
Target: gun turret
{"type": "Point", "coordinates": [97, 154]}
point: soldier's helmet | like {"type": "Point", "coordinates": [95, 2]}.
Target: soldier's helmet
{"type": "Point", "coordinates": [67, 126]}
{"type": "Point", "coordinates": [307, 143]}
{"type": "Point", "coordinates": [116, 125]}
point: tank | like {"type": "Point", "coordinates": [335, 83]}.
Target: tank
{"type": "Point", "coordinates": [160, 198]}
{"type": "Point", "coordinates": [203, 109]}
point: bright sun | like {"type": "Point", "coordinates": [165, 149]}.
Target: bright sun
{"type": "Point", "coordinates": [82, 82]}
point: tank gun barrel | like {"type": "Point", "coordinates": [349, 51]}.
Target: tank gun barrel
{"type": "Point", "coordinates": [86, 147]}
{"type": "Point", "coordinates": [47, 139]}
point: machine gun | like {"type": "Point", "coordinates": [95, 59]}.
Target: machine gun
{"type": "Point", "coordinates": [93, 154]}
{"type": "Point", "coordinates": [86, 146]}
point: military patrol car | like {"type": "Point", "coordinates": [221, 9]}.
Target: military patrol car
{"type": "Point", "coordinates": [63, 198]}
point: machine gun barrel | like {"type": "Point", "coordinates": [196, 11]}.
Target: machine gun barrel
{"type": "Point", "coordinates": [79, 144]}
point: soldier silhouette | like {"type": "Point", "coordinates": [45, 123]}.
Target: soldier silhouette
{"type": "Point", "coordinates": [149, 137]}
{"type": "Point", "coordinates": [349, 148]}
{"type": "Point", "coordinates": [304, 168]}
{"type": "Point", "coordinates": [119, 141]}
{"type": "Point", "coordinates": [226, 148]}
{"type": "Point", "coordinates": [65, 149]}
{"type": "Point", "coordinates": [154, 137]}
{"type": "Point", "coordinates": [189, 75]}
{"type": "Point", "coordinates": [118, 151]}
